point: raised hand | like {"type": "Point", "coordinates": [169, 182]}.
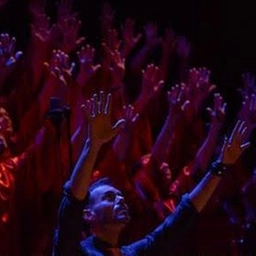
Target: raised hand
{"type": "Point", "coordinates": [151, 82]}
{"type": "Point", "coordinates": [60, 70]}
{"type": "Point", "coordinates": [218, 112]}
{"type": "Point", "coordinates": [45, 36]}
{"type": "Point", "coordinates": [183, 48]}
{"type": "Point", "coordinates": [8, 56]}
{"type": "Point", "coordinates": [106, 18]}
{"type": "Point", "coordinates": [177, 102]}
{"type": "Point", "coordinates": [199, 87]}
{"type": "Point", "coordinates": [37, 9]}
{"type": "Point", "coordinates": [247, 112]}
{"type": "Point", "coordinates": [98, 112]}
{"type": "Point", "coordinates": [232, 149]}
{"type": "Point", "coordinates": [43, 32]}
{"type": "Point", "coordinates": [64, 9]}
{"type": "Point", "coordinates": [70, 28]}
{"type": "Point", "coordinates": [129, 37]}
{"type": "Point", "coordinates": [151, 34]}
{"type": "Point", "coordinates": [168, 42]}
{"type": "Point", "coordinates": [87, 67]}
{"type": "Point", "coordinates": [129, 116]}
{"type": "Point", "coordinates": [112, 40]}
{"type": "Point", "coordinates": [165, 138]}
{"type": "Point", "coordinates": [116, 64]}
{"type": "Point", "coordinates": [235, 145]}
{"type": "Point", "coordinates": [248, 82]}
{"type": "Point", "coordinates": [60, 64]}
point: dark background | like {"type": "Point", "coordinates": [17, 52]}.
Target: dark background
{"type": "Point", "coordinates": [222, 33]}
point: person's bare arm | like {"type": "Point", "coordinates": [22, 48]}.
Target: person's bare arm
{"type": "Point", "coordinates": [100, 131]}
{"type": "Point", "coordinates": [232, 149]}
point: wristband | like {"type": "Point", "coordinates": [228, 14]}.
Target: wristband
{"type": "Point", "coordinates": [218, 169]}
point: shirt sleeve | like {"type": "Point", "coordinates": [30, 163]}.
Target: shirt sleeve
{"type": "Point", "coordinates": [165, 236]}
{"type": "Point", "coordinates": [67, 236]}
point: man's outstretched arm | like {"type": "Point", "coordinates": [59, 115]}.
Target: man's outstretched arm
{"type": "Point", "coordinates": [232, 149]}
{"type": "Point", "coordinates": [98, 113]}
{"type": "Point", "coordinates": [68, 234]}
{"type": "Point", "coordinates": [166, 235]}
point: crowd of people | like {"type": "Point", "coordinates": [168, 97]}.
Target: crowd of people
{"type": "Point", "coordinates": [63, 91]}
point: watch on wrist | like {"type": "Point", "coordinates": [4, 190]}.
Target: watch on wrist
{"type": "Point", "coordinates": [217, 168]}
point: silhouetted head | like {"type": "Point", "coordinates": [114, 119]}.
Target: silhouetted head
{"type": "Point", "coordinates": [105, 206]}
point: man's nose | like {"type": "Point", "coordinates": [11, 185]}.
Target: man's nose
{"type": "Point", "coordinates": [119, 199]}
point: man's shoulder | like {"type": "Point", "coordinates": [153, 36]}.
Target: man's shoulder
{"type": "Point", "coordinates": [87, 247]}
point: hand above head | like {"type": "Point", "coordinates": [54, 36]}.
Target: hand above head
{"type": "Point", "coordinates": [8, 56]}
{"type": "Point", "coordinates": [235, 145]}
{"type": "Point", "coordinates": [70, 28]}
{"type": "Point", "coordinates": [64, 9]}
{"type": "Point", "coordinates": [199, 87]}
{"type": "Point", "coordinates": [178, 104]}
{"type": "Point", "coordinates": [151, 81]}
{"type": "Point", "coordinates": [60, 66]}
{"type": "Point", "coordinates": [199, 81]}
{"type": "Point", "coordinates": [218, 112]}
{"type": "Point", "coordinates": [60, 74]}
{"type": "Point", "coordinates": [106, 18]}
{"type": "Point", "coordinates": [45, 36]}
{"type": "Point", "coordinates": [169, 42]}
{"type": "Point", "coordinates": [183, 48]}
{"type": "Point", "coordinates": [129, 116]}
{"type": "Point", "coordinates": [247, 112]}
{"type": "Point", "coordinates": [151, 34]}
{"type": "Point", "coordinates": [37, 10]}
{"type": "Point", "coordinates": [87, 67]}
{"type": "Point", "coordinates": [98, 113]}
{"type": "Point", "coordinates": [112, 40]}
{"type": "Point", "coordinates": [129, 36]}
{"type": "Point", "coordinates": [116, 64]}
{"type": "Point", "coordinates": [232, 149]}
{"type": "Point", "coordinates": [248, 82]}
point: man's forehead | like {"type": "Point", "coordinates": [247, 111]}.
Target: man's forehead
{"type": "Point", "coordinates": [102, 190]}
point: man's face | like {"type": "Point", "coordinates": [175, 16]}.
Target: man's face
{"type": "Point", "coordinates": [108, 205]}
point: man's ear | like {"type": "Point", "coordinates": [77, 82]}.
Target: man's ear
{"type": "Point", "coordinates": [88, 215]}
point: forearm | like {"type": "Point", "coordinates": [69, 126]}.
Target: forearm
{"type": "Point", "coordinates": [206, 151]}
{"type": "Point", "coordinates": [38, 54]}
{"type": "Point", "coordinates": [82, 77]}
{"type": "Point", "coordinates": [140, 59]}
{"type": "Point", "coordinates": [165, 64]}
{"type": "Point", "coordinates": [200, 195]}
{"type": "Point", "coordinates": [161, 147]}
{"type": "Point", "coordinates": [232, 149]}
{"type": "Point", "coordinates": [140, 104]}
{"type": "Point", "coordinates": [182, 70]}
{"type": "Point", "coordinates": [80, 178]}
{"type": "Point", "coordinates": [122, 145]}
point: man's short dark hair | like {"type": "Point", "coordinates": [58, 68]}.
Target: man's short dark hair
{"type": "Point", "coordinates": [96, 184]}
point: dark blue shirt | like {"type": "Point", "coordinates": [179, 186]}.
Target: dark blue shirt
{"type": "Point", "coordinates": [158, 243]}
